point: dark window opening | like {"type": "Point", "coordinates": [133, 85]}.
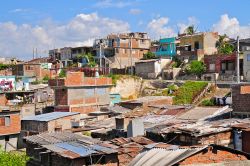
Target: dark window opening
{"type": "Point", "coordinates": [7, 138]}
{"type": "Point", "coordinates": [197, 45]}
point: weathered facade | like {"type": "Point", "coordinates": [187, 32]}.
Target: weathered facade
{"type": "Point", "coordinates": [38, 68]}
{"type": "Point", "coordinates": [77, 93]}
{"type": "Point", "coordinates": [9, 129]}
{"type": "Point", "coordinates": [150, 68]}
{"type": "Point", "coordinates": [194, 47]}
{"type": "Point", "coordinates": [122, 50]}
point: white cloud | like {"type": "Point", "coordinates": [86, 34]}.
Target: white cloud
{"type": "Point", "coordinates": [135, 11]}
{"type": "Point", "coordinates": [18, 10]}
{"type": "Point", "coordinates": [231, 27]}
{"type": "Point", "coordinates": [113, 3]}
{"type": "Point", "coordinates": [158, 28]}
{"type": "Point", "coordinates": [19, 40]}
{"type": "Point", "coordinates": [183, 26]}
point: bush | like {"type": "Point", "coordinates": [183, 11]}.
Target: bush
{"type": "Point", "coordinates": [207, 102]}
{"type": "Point", "coordinates": [46, 78]}
{"type": "Point", "coordinates": [149, 55]}
{"type": "Point", "coordinates": [13, 158]}
{"type": "Point", "coordinates": [188, 91]}
{"type": "Point", "coordinates": [62, 73]}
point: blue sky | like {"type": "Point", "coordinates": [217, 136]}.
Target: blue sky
{"type": "Point", "coordinates": [56, 23]}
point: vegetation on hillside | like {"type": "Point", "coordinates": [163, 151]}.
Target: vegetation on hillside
{"type": "Point", "coordinates": [208, 102]}
{"type": "Point", "coordinates": [188, 91]}
{"type": "Point", "coordinates": [13, 158]}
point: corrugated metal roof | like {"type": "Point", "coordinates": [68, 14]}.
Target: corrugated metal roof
{"type": "Point", "coordinates": [50, 138]}
{"type": "Point", "coordinates": [163, 157]}
{"type": "Point", "coordinates": [81, 150]}
{"type": "Point", "coordinates": [50, 116]}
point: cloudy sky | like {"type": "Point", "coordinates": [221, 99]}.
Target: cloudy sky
{"type": "Point", "coordinates": [48, 24]}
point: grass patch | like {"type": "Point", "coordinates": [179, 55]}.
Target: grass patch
{"type": "Point", "coordinates": [188, 91]}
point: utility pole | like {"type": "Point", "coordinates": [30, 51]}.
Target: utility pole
{"type": "Point", "coordinates": [238, 60]}
{"type": "Point", "coordinates": [100, 54]}
{"type": "Point", "coordinates": [131, 59]}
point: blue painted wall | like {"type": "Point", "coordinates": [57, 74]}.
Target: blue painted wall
{"type": "Point", "coordinates": [115, 98]}
{"type": "Point", "coordinates": [167, 47]}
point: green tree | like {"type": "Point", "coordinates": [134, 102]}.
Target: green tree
{"type": "Point", "coordinates": [197, 68]}
{"type": "Point", "coordinates": [89, 57]}
{"type": "Point", "coordinates": [149, 55]}
{"type": "Point", "coordinates": [13, 158]}
{"type": "Point", "coordinates": [223, 46]}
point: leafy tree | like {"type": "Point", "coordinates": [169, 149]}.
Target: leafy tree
{"type": "Point", "coordinates": [62, 73]}
{"type": "Point", "coordinates": [197, 68]}
{"type": "Point", "coordinates": [89, 57]}
{"type": "Point", "coordinates": [149, 55]}
{"type": "Point", "coordinates": [177, 62]}
{"type": "Point", "coordinates": [13, 158]}
{"type": "Point", "coordinates": [4, 66]}
{"type": "Point", "coordinates": [223, 46]}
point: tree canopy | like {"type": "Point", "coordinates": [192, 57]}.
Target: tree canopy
{"type": "Point", "coordinates": [197, 68]}
{"type": "Point", "coordinates": [149, 55]}
{"type": "Point", "coordinates": [223, 46]}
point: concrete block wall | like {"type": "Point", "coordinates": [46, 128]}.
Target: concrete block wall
{"type": "Point", "coordinates": [241, 98]}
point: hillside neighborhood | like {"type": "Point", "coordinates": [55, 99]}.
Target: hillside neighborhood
{"type": "Point", "coordinates": [130, 100]}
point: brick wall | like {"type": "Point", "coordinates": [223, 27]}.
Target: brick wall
{"type": "Point", "coordinates": [84, 109]}
{"type": "Point", "coordinates": [241, 98]}
{"type": "Point", "coordinates": [245, 141]}
{"type": "Point", "coordinates": [3, 100]}
{"type": "Point", "coordinates": [210, 155]}
{"type": "Point", "coordinates": [14, 126]}
{"type": "Point", "coordinates": [61, 97]}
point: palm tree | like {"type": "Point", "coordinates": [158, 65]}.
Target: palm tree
{"type": "Point", "coordinates": [190, 30]}
{"type": "Point", "coordinates": [223, 46]}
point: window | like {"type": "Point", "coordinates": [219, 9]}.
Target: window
{"type": "Point", "coordinates": [7, 138]}
{"type": "Point", "coordinates": [248, 57]}
{"type": "Point", "coordinates": [5, 121]}
{"type": "Point", "coordinates": [2, 121]}
{"type": "Point", "coordinates": [196, 45]}
{"type": "Point", "coordinates": [212, 67]}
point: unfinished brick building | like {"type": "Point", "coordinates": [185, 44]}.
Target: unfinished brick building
{"type": "Point", "coordinates": [77, 93]}
{"type": "Point", "coordinates": [241, 98]}
{"type": "Point", "coordinates": [122, 50]}
{"type": "Point", "coordinates": [9, 129]}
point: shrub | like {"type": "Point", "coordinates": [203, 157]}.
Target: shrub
{"type": "Point", "coordinates": [13, 158]}
{"type": "Point", "coordinates": [149, 55]}
{"type": "Point", "coordinates": [62, 73]}
{"type": "Point", "coordinates": [188, 91]}
{"type": "Point", "coordinates": [207, 102]}
{"type": "Point", "coordinates": [46, 78]}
